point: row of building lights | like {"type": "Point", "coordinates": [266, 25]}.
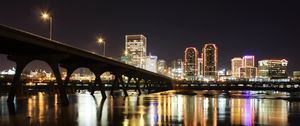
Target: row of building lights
{"type": "Point", "coordinates": [203, 66]}
{"type": "Point", "coordinates": [241, 68]}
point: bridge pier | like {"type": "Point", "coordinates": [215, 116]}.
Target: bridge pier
{"type": "Point", "coordinates": [118, 80]}
{"type": "Point", "coordinates": [100, 84]}
{"type": "Point", "coordinates": [62, 89]}
{"type": "Point", "coordinates": [51, 87]}
{"type": "Point", "coordinates": [70, 70]}
{"type": "Point", "coordinates": [21, 62]}
{"type": "Point", "coordinates": [150, 85]}
{"type": "Point", "coordinates": [145, 84]}
{"type": "Point", "coordinates": [123, 85]}
{"type": "Point", "coordinates": [98, 70]}
{"type": "Point", "coordinates": [138, 82]}
{"type": "Point", "coordinates": [128, 81]}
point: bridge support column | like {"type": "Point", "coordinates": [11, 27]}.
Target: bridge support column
{"type": "Point", "coordinates": [99, 82]}
{"type": "Point", "coordinates": [70, 70]}
{"type": "Point", "coordinates": [138, 82]}
{"type": "Point", "coordinates": [118, 79]}
{"type": "Point", "coordinates": [145, 84]}
{"type": "Point", "coordinates": [128, 82]}
{"type": "Point", "coordinates": [113, 86]}
{"type": "Point", "coordinates": [189, 83]}
{"type": "Point", "coordinates": [102, 88]}
{"type": "Point", "coordinates": [123, 86]}
{"type": "Point", "coordinates": [150, 85]}
{"type": "Point", "coordinates": [21, 62]}
{"type": "Point", "coordinates": [51, 87]}
{"type": "Point", "coordinates": [62, 89]}
{"type": "Point", "coordinates": [98, 71]}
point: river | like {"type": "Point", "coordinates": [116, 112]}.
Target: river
{"type": "Point", "coordinates": [190, 108]}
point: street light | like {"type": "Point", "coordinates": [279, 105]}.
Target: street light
{"type": "Point", "coordinates": [125, 52]}
{"type": "Point", "coordinates": [46, 16]}
{"type": "Point", "coordinates": [100, 40]}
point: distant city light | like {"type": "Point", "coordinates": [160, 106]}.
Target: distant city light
{"type": "Point", "coordinates": [11, 71]}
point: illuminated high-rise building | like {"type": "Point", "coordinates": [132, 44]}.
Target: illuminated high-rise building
{"type": "Point", "coordinates": [296, 75]}
{"type": "Point", "coordinates": [210, 61]}
{"type": "Point", "coordinates": [236, 64]}
{"type": "Point", "coordinates": [136, 49]}
{"type": "Point", "coordinates": [273, 69]}
{"type": "Point", "coordinates": [151, 62]}
{"type": "Point", "coordinates": [177, 69]}
{"type": "Point", "coordinates": [191, 63]}
{"type": "Point", "coordinates": [247, 72]}
{"type": "Point", "coordinates": [200, 66]}
{"type": "Point", "coordinates": [248, 61]}
{"type": "Point", "coordinates": [161, 66]}
{"type": "Point", "coordinates": [248, 69]}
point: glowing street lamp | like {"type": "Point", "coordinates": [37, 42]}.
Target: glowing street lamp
{"type": "Point", "coordinates": [125, 52]}
{"type": "Point", "coordinates": [100, 40]}
{"type": "Point", "coordinates": [46, 16]}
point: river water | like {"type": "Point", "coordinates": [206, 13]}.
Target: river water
{"type": "Point", "coordinates": [164, 108]}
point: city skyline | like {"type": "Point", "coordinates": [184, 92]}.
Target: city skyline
{"type": "Point", "coordinates": [170, 27]}
{"type": "Point", "coordinates": [96, 62]}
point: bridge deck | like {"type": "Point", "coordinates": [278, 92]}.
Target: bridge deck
{"type": "Point", "coordinates": [23, 47]}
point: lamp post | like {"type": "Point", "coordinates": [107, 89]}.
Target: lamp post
{"type": "Point", "coordinates": [100, 40]}
{"type": "Point", "coordinates": [46, 16]}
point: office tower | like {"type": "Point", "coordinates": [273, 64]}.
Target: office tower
{"type": "Point", "coordinates": [236, 64]}
{"type": "Point", "coordinates": [248, 69]}
{"type": "Point", "coordinates": [200, 66]}
{"type": "Point", "coordinates": [248, 72]}
{"type": "Point", "coordinates": [210, 61]}
{"type": "Point", "coordinates": [177, 69]}
{"type": "Point", "coordinates": [248, 61]}
{"type": "Point", "coordinates": [273, 69]}
{"type": "Point", "coordinates": [191, 63]}
{"type": "Point", "coordinates": [161, 66]}
{"type": "Point", "coordinates": [136, 48]}
{"type": "Point", "coordinates": [296, 75]}
{"type": "Point", "coordinates": [151, 63]}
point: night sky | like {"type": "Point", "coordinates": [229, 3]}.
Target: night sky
{"type": "Point", "coordinates": [268, 29]}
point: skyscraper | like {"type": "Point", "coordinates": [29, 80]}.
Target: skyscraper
{"type": "Point", "coordinates": [151, 62]}
{"type": "Point", "coordinates": [177, 69]}
{"type": "Point", "coordinates": [296, 75]}
{"type": "Point", "coordinates": [248, 72]}
{"type": "Point", "coordinates": [210, 61]}
{"type": "Point", "coordinates": [136, 49]}
{"type": "Point", "coordinates": [248, 61]}
{"type": "Point", "coordinates": [161, 66]}
{"type": "Point", "coordinates": [236, 64]}
{"type": "Point", "coordinates": [248, 69]}
{"type": "Point", "coordinates": [273, 69]}
{"type": "Point", "coordinates": [200, 66]}
{"type": "Point", "coordinates": [191, 63]}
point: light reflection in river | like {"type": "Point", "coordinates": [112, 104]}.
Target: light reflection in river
{"type": "Point", "coordinates": [153, 109]}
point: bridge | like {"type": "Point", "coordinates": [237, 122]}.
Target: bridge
{"type": "Point", "coordinates": [23, 47]}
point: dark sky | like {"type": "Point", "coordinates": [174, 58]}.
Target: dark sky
{"type": "Point", "coordinates": [268, 29]}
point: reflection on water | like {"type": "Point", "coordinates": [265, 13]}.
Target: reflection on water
{"type": "Point", "coordinates": [154, 109]}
